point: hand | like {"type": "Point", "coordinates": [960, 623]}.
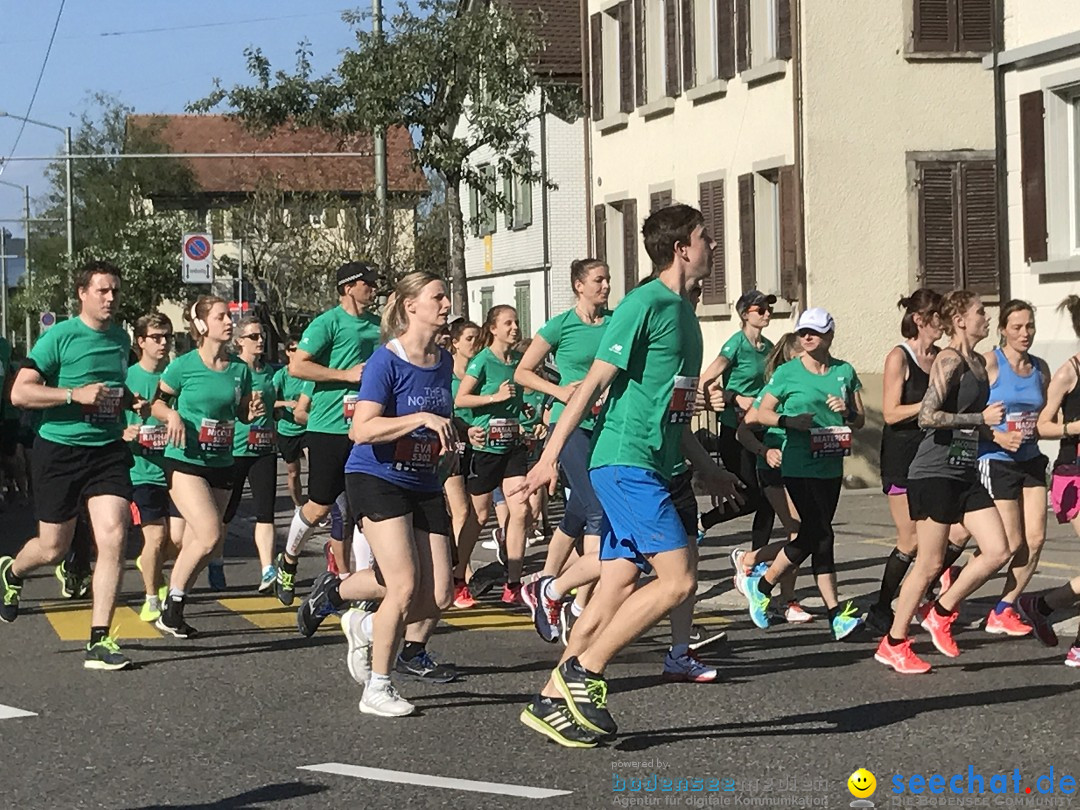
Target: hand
{"type": "Point", "coordinates": [801, 421]}
{"type": "Point", "coordinates": [724, 485]}
{"type": "Point", "coordinates": [1009, 439]}
{"type": "Point", "coordinates": [256, 406]}
{"type": "Point", "coordinates": [140, 405]}
{"type": "Point", "coordinates": [476, 436]}
{"type": "Point", "coordinates": [444, 429]}
{"type": "Point", "coordinates": [90, 394]}
{"type": "Point", "coordinates": [174, 429]}
{"type": "Point", "coordinates": [540, 431]}
{"type": "Point", "coordinates": [994, 414]}
{"type": "Point", "coordinates": [131, 433]}
{"type": "Point", "coordinates": [836, 404]}
{"type": "Point", "coordinates": [712, 395]}
{"type": "Point", "coordinates": [744, 403]}
{"type": "Point", "coordinates": [543, 475]}
{"type": "Point", "coordinates": [773, 458]}
{"type": "Point", "coordinates": [505, 392]}
{"type": "Point", "coordinates": [353, 375]}
{"type": "Point", "coordinates": [567, 391]}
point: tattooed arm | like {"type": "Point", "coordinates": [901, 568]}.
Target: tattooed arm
{"type": "Point", "coordinates": [946, 371]}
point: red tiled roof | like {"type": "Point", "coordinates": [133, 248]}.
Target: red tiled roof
{"type": "Point", "coordinates": [560, 31]}
{"type": "Point", "coordinates": [218, 133]}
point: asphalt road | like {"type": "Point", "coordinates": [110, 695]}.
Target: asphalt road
{"type": "Point", "coordinates": [234, 718]}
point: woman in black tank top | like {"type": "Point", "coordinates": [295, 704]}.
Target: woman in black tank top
{"type": "Point", "coordinates": [907, 375]}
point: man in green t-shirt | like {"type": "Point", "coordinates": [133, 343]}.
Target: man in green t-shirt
{"type": "Point", "coordinates": [649, 361]}
{"type": "Point", "coordinates": [75, 376]}
{"type": "Point", "coordinates": [331, 354]}
{"type": "Point", "coordinates": [292, 419]}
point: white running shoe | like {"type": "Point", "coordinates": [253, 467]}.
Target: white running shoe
{"type": "Point", "coordinates": [740, 569]}
{"type": "Point", "coordinates": [687, 669]}
{"type": "Point", "coordinates": [796, 614]}
{"type": "Point", "coordinates": [385, 702]}
{"type": "Point", "coordinates": [358, 658]}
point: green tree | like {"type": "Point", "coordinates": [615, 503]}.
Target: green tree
{"type": "Point", "coordinates": [460, 75]}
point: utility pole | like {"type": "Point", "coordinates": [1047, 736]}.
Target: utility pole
{"type": "Point", "coordinates": [380, 155]}
{"type": "Point", "coordinates": [3, 280]}
{"type": "Point", "coordinates": [69, 216]}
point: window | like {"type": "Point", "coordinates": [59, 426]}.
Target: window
{"type": "Point", "coordinates": [523, 305]}
{"type": "Point", "coordinates": [656, 48]}
{"type": "Point", "coordinates": [711, 204]}
{"type": "Point", "coordinates": [616, 229]}
{"type": "Point", "coordinates": [1074, 175]}
{"type": "Point", "coordinates": [611, 53]}
{"type": "Point", "coordinates": [952, 26]}
{"type": "Point", "coordinates": [217, 224]}
{"type": "Point", "coordinates": [518, 195]}
{"type": "Point", "coordinates": [958, 245]}
{"type": "Point", "coordinates": [481, 211]}
{"type": "Point", "coordinates": [767, 231]}
{"type": "Point", "coordinates": [763, 32]}
{"type": "Point", "coordinates": [659, 199]}
{"type": "Point", "coordinates": [487, 301]}
{"type": "Point", "coordinates": [768, 228]}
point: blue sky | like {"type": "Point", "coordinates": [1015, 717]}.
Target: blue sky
{"type": "Point", "coordinates": [160, 71]}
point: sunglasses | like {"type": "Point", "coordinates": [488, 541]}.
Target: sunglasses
{"type": "Point", "coordinates": [159, 338]}
{"type": "Point", "coordinates": [259, 336]}
{"type": "Point", "coordinates": [763, 310]}
{"type": "Point", "coordinates": [805, 333]}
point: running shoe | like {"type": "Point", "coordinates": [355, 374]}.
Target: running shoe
{"type": "Point", "coordinates": [138, 563]}
{"type": "Point", "coordinates": [1073, 658]}
{"type": "Point", "coordinates": [1007, 623]}
{"type": "Point", "coordinates": [702, 636]}
{"type": "Point", "coordinates": [1027, 606]}
{"type": "Point", "coordinates": [879, 620]}
{"type": "Point", "coordinates": [552, 718]}
{"type": "Point", "coordinates": [171, 620]}
{"type": "Point", "coordinates": [940, 629]}
{"type": "Point", "coordinates": [9, 594]}
{"type": "Point", "coordinates": [900, 657]}
{"type": "Point", "coordinates": [331, 560]}
{"type": "Point", "coordinates": [358, 658]}
{"type": "Point", "coordinates": [566, 622]}
{"type": "Point", "coordinates": [425, 668]}
{"type": "Point", "coordinates": [846, 621]}
{"type": "Point", "coordinates": [463, 598]}
{"type": "Point", "coordinates": [687, 669]}
{"type": "Point", "coordinates": [758, 603]}
{"type": "Point", "coordinates": [105, 655]}
{"type": "Point", "coordinates": [385, 702]}
{"type": "Point", "coordinates": [285, 585]}
{"type": "Point", "coordinates": [215, 575]}
{"type": "Point", "coordinates": [317, 606]}
{"type": "Point", "coordinates": [740, 569]}
{"type": "Point", "coordinates": [585, 695]}
{"type": "Point", "coordinates": [511, 594]}
{"type": "Point", "coordinates": [151, 609]}
{"type": "Point", "coordinates": [546, 613]}
{"type": "Point", "coordinates": [948, 577]}
{"type": "Point", "coordinates": [498, 534]}
{"type": "Point", "coordinates": [795, 614]}
{"type": "Point", "coordinates": [268, 578]}
{"type": "Point", "coordinates": [69, 586]}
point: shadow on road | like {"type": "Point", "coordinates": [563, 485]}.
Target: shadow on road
{"type": "Point", "coordinates": [249, 800]}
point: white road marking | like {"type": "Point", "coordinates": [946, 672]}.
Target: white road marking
{"type": "Point", "coordinates": [406, 778]}
{"type": "Point", "coordinates": [8, 712]}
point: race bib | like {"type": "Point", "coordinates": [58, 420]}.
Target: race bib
{"type": "Point", "coordinates": [260, 439]}
{"type": "Point", "coordinates": [348, 406]}
{"type": "Point", "coordinates": [418, 452]}
{"type": "Point", "coordinates": [963, 449]}
{"type": "Point", "coordinates": [151, 439]}
{"type": "Point", "coordinates": [830, 442]}
{"type": "Point", "coordinates": [683, 399]}
{"type": "Point", "coordinates": [503, 432]}
{"type": "Point", "coordinates": [107, 410]}
{"type": "Point", "coordinates": [1023, 421]}
{"type": "Point", "coordinates": [216, 436]}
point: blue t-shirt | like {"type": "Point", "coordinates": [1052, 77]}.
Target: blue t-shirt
{"type": "Point", "coordinates": [402, 388]}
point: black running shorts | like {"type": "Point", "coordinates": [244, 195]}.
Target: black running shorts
{"type": "Point", "coordinates": [376, 499]}
{"type": "Point", "coordinates": [290, 447]}
{"type": "Point", "coordinates": [149, 504]}
{"type": "Point", "coordinates": [1005, 480]}
{"type": "Point", "coordinates": [64, 476]}
{"type": "Point", "coordinates": [945, 500]}
{"type": "Point", "coordinates": [327, 454]}
{"type": "Point", "coordinates": [215, 477]}
{"type": "Point", "coordinates": [487, 471]}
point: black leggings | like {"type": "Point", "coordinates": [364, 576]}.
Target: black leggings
{"type": "Point", "coordinates": [261, 473]}
{"type": "Point", "coordinates": [815, 500]}
{"type": "Point", "coordinates": [737, 459]}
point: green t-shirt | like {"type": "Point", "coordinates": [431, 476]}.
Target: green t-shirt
{"type": "Point", "coordinates": [340, 341]}
{"type": "Point", "coordinates": [820, 452]}
{"type": "Point", "coordinates": [149, 447]}
{"type": "Point", "coordinates": [654, 338]}
{"type": "Point", "coordinates": [532, 410]}
{"type": "Point", "coordinates": [464, 414]}
{"type": "Point", "coordinates": [70, 355]}
{"type": "Point", "coordinates": [502, 420]}
{"type": "Point", "coordinates": [207, 401]}
{"type": "Point", "coordinates": [258, 438]}
{"type": "Point", "coordinates": [288, 388]}
{"type": "Point", "coordinates": [745, 374]}
{"type": "Point", "coordinates": [575, 344]}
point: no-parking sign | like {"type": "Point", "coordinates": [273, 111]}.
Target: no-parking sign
{"type": "Point", "coordinates": [197, 251]}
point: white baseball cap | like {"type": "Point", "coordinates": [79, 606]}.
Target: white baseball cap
{"type": "Point", "coordinates": [817, 320]}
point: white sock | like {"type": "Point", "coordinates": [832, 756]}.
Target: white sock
{"type": "Point", "coordinates": [152, 600]}
{"type": "Point", "coordinates": [361, 551]}
{"type": "Point", "coordinates": [367, 625]}
{"type": "Point", "coordinates": [679, 650]}
{"type": "Point", "coordinates": [176, 594]}
{"type": "Point", "coordinates": [575, 608]}
{"type": "Point", "coordinates": [550, 592]}
{"type": "Point", "coordinates": [299, 532]}
{"type": "Point", "coordinates": [378, 682]}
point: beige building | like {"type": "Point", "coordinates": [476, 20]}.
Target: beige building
{"type": "Point", "coordinates": [842, 153]}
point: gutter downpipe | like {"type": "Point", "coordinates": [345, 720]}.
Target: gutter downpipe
{"type": "Point", "coordinates": [797, 84]}
{"type": "Point", "coordinates": [1001, 196]}
{"type": "Point", "coordinates": [586, 121]}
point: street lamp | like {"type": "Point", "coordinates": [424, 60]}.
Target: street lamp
{"type": "Point", "coordinates": [26, 261]}
{"type": "Point", "coordinates": [67, 177]}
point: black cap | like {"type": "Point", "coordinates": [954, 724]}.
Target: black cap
{"type": "Point", "coordinates": [753, 298]}
{"type": "Point", "coordinates": [356, 271]}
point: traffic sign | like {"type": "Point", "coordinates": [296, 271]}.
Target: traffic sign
{"type": "Point", "coordinates": [47, 321]}
{"type": "Point", "coordinates": [198, 258]}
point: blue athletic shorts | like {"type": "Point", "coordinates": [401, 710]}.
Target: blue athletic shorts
{"type": "Point", "coordinates": [640, 518]}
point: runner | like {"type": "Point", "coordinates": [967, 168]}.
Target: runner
{"type": "Point", "coordinates": [502, 460]}
{"type": "Point", "coordinates": [74, 376]}
{"type": "Point", "coordinates": [201, 396]}
{"type": "Point", "coordinates": [1037, 609]}
{"type": "Point", "coordinates": [650, 357]}
{"type": "Point", "coordinates": [944, 487]}
{"type": "Point", "coordinates": [331, 354]}
{"type": "Point", "coordinates": [1011, 467]}
{"type": "Point", "coordinates": [907, 375]}
{"type": "Point", "coordinates": [150, 494]}
{"type": "Point", "coordinates": [815, 400]}
{"type": "Point", "coordinates": [254, 453]}
{"type": "Point", "coordinates": [292, 419]}
{"type": "Point", "coordinates": [404, 434]}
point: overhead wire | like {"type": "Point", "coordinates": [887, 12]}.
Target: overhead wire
{"type": "Point", "coordinates": [41, 74]}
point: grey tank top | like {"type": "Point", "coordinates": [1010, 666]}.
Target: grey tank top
{"type": "Point", "coordinates": [953, 452]}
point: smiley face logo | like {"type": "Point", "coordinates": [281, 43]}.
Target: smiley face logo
{"type": "Point", "coordinates": [862, 784]}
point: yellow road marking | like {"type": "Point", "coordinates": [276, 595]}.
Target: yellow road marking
{"type": "Point", "coordinates": [267, 612]}
{"type": "Point", "coordinates": [72, 622]}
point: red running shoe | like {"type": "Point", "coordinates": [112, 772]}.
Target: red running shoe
{"type": "Point", "coordinates": [331, 561]}
{"type": "Point", "coordinates": [511, 594]}
{"type": "Point", "coordinates": [948, 577]}
{"type": "Point", "coordinates": [940, 629]}
{"type": "Point", "coordinates": [463, 598]}
{"type": "Point", "coordinates": [900, 657]}
{"type": "Point", "coordinates": [1007, 623]}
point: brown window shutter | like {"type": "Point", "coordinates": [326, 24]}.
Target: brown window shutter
{"type": "Point", "coordinates": [658, 200]}
{"type": "Point", "coordinates": [626, 59]}
{"type": "Point", "coordinates": [711, 202]}
{"type": "Point", "coordinates": [747, 233]}
{"type": "Point", "coordinates": [640, 29]}
{"type": "Point", "coordinates": [725, 37]}
{"type": "Point", "coordinates": [935, 26]}
{"type": "Point", "coordinates": [783, 29]}
{"type": "Point", "coordinates": [600, 231]}
{"type": "Point", "coordinates": [1033, 175]}
{"type": "Point", "coordinates": [742, 34]}
{"type": "Point", "coordinates": [630, 243]}
{"type": "Point", "coordinates": [789, 230]}
{"type": "Point", "coordinates": [596, 58]}
{"type": "Point", "coordinates": [979, 242]}
{"type": "Point", "coordinates": [939, 254]}
{"type": "Point", "coordinates": [689, 44]}
{"type": "Point", "coordinates": [975, 25]}
{"type": "Point", "coordinates": [672, 86]}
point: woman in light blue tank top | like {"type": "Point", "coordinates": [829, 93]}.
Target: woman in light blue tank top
{"type": "Point", "coordinates": [1011, 467]}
